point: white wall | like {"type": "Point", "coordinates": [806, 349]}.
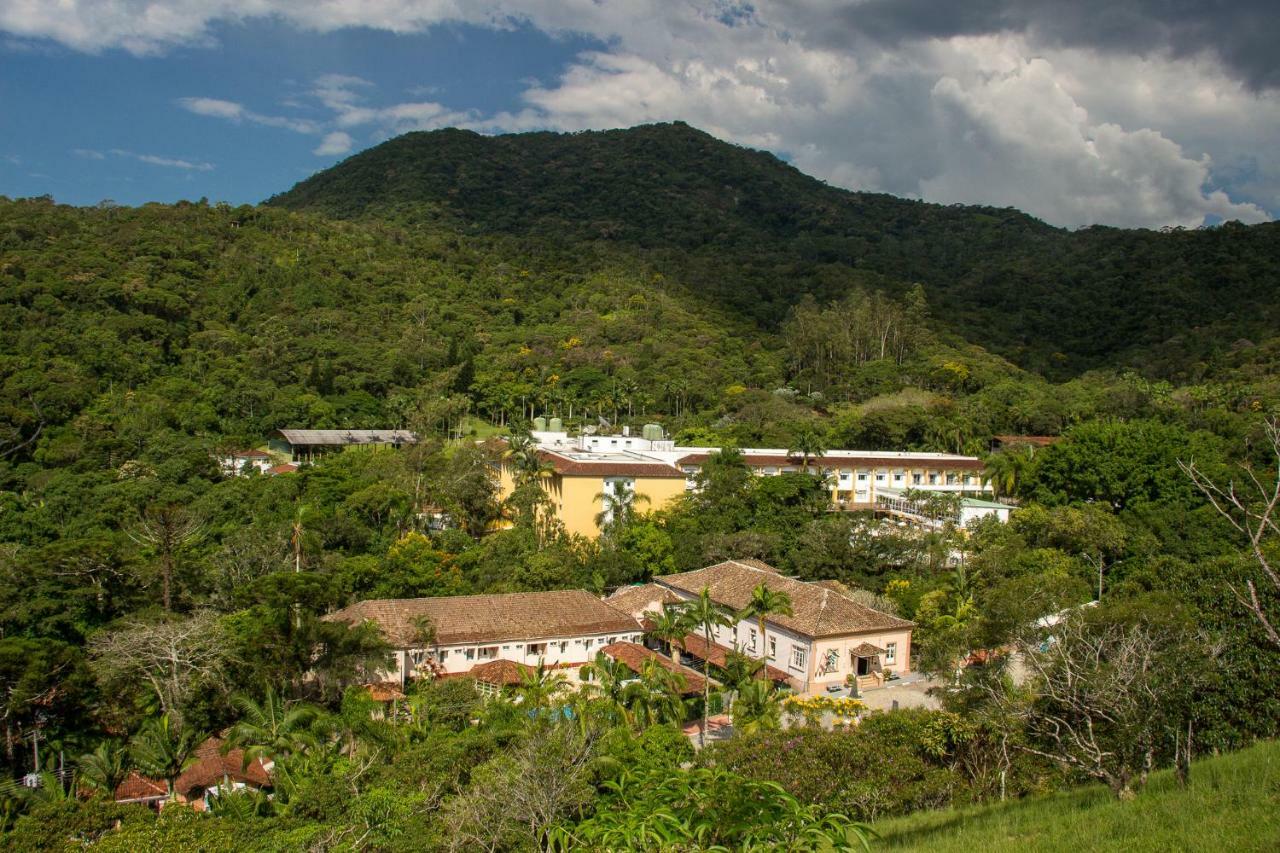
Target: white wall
{"type": "Point", "coordinates": [558, 651]}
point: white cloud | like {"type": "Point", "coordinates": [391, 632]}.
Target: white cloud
{"type": "Point", "coordinates": [88, 154]}
{"type": "Point", "coordinates": [1070, 133]}
{"type": "Point", "coordinates": [333, 143]}
{"type": "Point", "coordinates": [167, 162]}
{"type": "Point", "coordinates": [236, 112]}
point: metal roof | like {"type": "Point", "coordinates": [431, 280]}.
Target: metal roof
{"type": "Point", "coordinates": [347, 436]}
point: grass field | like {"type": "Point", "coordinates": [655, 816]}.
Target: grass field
{"type": "Point", "coordinates": [1232, 803]}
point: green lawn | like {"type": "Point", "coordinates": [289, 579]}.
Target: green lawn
{"type": "Point", "coordinates": [1232, 803]}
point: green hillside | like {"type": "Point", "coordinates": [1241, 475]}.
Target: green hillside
{"type": "Point", "coordinates": [1232, 804]}
{"type": "Point", "coordinates": [749, 231]}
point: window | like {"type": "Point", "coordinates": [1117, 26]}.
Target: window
{"type": "Point", "coordinates": [751, 639]}
{"type": "Point", "coordinates": [862, 477]}
{"type": "Point", "coordinates": [471, 654]}
{"type": "Point", "coordinates": [488, 652]}
{"type": "Point", "coordinates": [564, 645]}
{"type": "Point", "coordinates": [951, 479]}
{"type": "Point", "coordinates": [890, 652]}
{"type": "Point", "coordinates": [613, 640]}
{"type": "Point", "coordinates": [535, 649]}
{"type": "Point", "coordinates": [798, 658]}
{"type": "Point", "coordinates": [879, 476]}
{"type": "Point", "coordinates": [933, 479]}
{"type": "Point", "coordinates": [444, 655]}
{"type": "Point", "coordinates": [897, 476]}
{"type": "Point", "coordinates": [587, 642]}
{"type": "Point", "coordinates": [773, 648]}
{"type": "Point", "coordinates": [844, 476]}
{"type": "Point", "coordinates": [915, 479]}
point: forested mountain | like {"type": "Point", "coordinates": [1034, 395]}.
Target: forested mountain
{"type": "Point", "coordinates": [746, 230]}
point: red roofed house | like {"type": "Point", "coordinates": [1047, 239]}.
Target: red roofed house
{"type": "Point", "coordinates": [828, 637]}
{"type": "Point", "coordinates": [459, 634]}
{"type": "Point", "coordinates": [239, 462]}
{"type": "Point", "coordinates": [210, 773]}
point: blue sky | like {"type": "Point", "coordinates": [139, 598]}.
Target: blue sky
{"type": "Point", "coordinates": [76, 126]}
{"type": "Point", "coordinates": [1118, 112]}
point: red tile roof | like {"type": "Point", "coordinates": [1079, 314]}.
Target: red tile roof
{"type": "Point", "coordinates": [137, 787]}
{"type": "Point", "coordinates": [633, 656]}
{"type": "Point", "coordinates": [639, 599]}
{"type": "Point", "coordinates": [818, 611]}
{"type": "Point", "coordinates": [491, 618]}
{"type": "Point", "coordinates": [718, 655]}
{"type": "Point", "coordinates": [286, 468]}
{"type": "Point", "coordinates": [503, 673]}
{"type": "Point", "coordinates": [384, 691]}
{"type": "Point", "coordinates": [208, 768]}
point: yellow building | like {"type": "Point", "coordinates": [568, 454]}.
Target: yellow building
{"type": "Point", "coordinates": [579, 477]}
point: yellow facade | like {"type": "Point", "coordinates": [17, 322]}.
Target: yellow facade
{"type": "Point", "coordinates": [575, 497]}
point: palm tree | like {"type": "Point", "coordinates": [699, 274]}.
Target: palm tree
{"type": "Point", "coordinates": [605, 680]}
{"type": "Point", "coordinates": [162, 751]}
{"type": "Point", "coordinates": [539, 686]}
{"type": "Point", "coordinates": [739, 669]}
{"type": "Point", "coordinates": [703, 613]}
{"type": "Point", "coordinates": [671, 625]}
{"type": "Point", "coordinates": [105, 768]}
{"type": "Point", "coordinates": [1006, 470]}
{"type": "Point", "coordinates": [525, 458]}
{"type": "Point", "coordinates": [764, 603]}
{"type": "Point", "coordinates": [655, 698]}
{"type": "Point", "coordinates": [272, 729]}
{"type": "Point", "coordinates": [758, 708]}
{"type": "Point", "coordinates": [808, 442]}
{"type": "Point", "coordinates": [618, 503]}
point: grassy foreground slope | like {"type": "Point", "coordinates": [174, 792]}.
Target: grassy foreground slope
{"type": "Point", "coordinates": [1232, 803]}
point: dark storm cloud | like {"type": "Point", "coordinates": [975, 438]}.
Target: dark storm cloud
{"type": "Point", "coordinates": [1242, 34]}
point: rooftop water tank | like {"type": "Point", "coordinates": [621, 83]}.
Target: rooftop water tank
{"type": "Point", "coordinates": [555, 425]}
{"type": "Point", "coordinates": [539, 424]}
{"type": "Point", "coordinates": [652, 432]}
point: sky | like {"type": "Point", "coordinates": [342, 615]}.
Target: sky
{"type": "Point", "coordinates": [1145, 113]}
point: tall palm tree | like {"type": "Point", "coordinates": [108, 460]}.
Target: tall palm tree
{"type": "Point", "coordinates": [618, 504]}
{"type": "Point", "coordinates": [705, 615]}
{"type": "Point", "coordinates": [162, 751]}
{"type": "Point", "coordinates": [738, 669]}
{"type": "Point", "coordinates": [272, 729]}
{"type": "Point", "coordinates": [808, 442]}
{"type": "Point", "coordinates": [1006, 470]}
{"type": "Point", "coordinates": [671, 625]}
{"type": "Point", "coordinates": [105, 768]}
{"type": "Point", "coordinates": [764, 603]}
{"type": "Point", "coordinates": [525, 459]}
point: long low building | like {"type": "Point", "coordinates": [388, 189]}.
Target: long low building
{"type": "Point", "coordinates": [452, 635]}
{"type": "Point", "coordinates": [303, 445]}
{"type": "Point", "coordinates": [585, 467]}
{"type": "Point", "coordinates": [827, 638]}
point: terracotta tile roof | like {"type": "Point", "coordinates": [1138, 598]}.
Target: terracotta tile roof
{"type": "Point", "coordinates": [866, 650]}
{"type": "Point", "coordinates": [697, 646]}
{"type": "Point", "coordinates": [819, 612]}
{"type": "Point", "coordinates": [211, 767]}
{"type": "Point", "coordinates": [641, 598]}
{"type": "Point", "coordinates": [207, 770]}
{"type": "Point", "coordinates": [136, 787]}
{"type": "Point", "coordinates": [491, 618]}
{"type": "Point", "coordinates": [286, 468]}
{"type": "Point", "coordinates": [633, 656]}
{"type": "Point", "coordinates": [781, 460]}
{"type": "Point", "coordinates": [384, 691]}
{"type": "Point", "coordinates": [638, 467]}
{"type": "Point", "coordinates": [500, 672]}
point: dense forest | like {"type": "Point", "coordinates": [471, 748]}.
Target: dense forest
{"type": "Point", "coordinates": [743, 229]}
{"type": "Point", "coordinates": [459, 286]}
